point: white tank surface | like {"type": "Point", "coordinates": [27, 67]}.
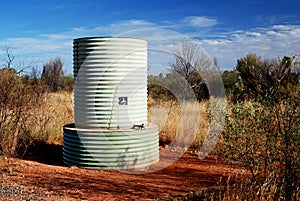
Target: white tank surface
{"type": "Point", "coordinates": [110, 106]}
{"type": "Point", "coordinates": [110, 82]}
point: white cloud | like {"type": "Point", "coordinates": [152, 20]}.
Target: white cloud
{"type": "Point", "coordinates": [130, 24]}
{"type": "Point", "coordinates": [199, 21]}
{"type": "Point", "coordinates": [268, 42]}
{"type": "Point", "coordinates": [253, 33]}
{"type": "Point", "coordinates": [214, 42]}
{"type": "Point", "coordinates": [227, 47]}
{"type": "Point", "coordinates": [140, 22]}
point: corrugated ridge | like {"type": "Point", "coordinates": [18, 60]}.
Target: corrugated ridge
{"type": "Point", "coordinates": [107, 149]}
{"type": "Point", "coordinates": [110, 68]}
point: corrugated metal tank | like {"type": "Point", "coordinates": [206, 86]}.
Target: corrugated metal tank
{"type": "Point", "coordinates": [110, 97]}
{"type": "Point", "coordinates": [110, 150]}
{"type": "Point", "coordinates": [111, 82]}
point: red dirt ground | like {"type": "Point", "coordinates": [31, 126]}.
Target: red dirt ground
{"type": "Point", "coordinates": [32, 180]}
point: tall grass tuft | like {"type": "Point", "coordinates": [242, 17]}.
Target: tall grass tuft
{"type": "Point", "coordinates": [180, 123]}
{"type": "Point", "coordinates": [55, 111]}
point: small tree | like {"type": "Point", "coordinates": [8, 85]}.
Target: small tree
{"type": "Point", "coordinates": [262, 78]}
{"type": "Point", "coordinates": [195, 66]}
{"type": "Point", "coordinates": [10, 62]}
{"type": "Point", "coordinates": [53, 74]}
{"type": "Point", "coordinates": [233, 85]}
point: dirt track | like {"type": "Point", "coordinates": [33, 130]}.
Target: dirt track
{"type": "Point", "coordinates": [31, 180]}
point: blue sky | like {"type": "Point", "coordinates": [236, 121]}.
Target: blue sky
{"type": "Point", "coordinates": [227, 30]}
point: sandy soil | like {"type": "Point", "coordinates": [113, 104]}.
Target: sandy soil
{"type": "Point", "coordinates": [38, 179]}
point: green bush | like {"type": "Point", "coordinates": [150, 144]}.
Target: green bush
{"type": "Point", "coordinates": [265, 137]}
{"type": "Point", "coordinates": [271, 79]}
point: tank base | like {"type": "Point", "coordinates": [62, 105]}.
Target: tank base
{"type": "Point", "coordinates": [111, 149]}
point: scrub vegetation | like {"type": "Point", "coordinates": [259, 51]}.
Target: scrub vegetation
{"type": "Point", "coordinates": [262, 129]}
{"type": "Point", "coordinates": [262, 120]}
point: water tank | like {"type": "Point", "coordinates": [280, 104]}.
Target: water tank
{"type": "Point", "coordinates": [110, 106]}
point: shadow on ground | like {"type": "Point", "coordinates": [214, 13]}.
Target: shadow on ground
{"type": "Point", "coordinates": [50, 154]}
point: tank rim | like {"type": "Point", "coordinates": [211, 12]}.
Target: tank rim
{"type": "Point", "coordinates": [107, 37]}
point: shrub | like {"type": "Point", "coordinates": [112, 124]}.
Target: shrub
{"type": "Point", "coordinates": [18, 100]}
{"type": "Point", "coordinates": [265, 137]}
{"type": "Point", "coordinates": [270, 79]}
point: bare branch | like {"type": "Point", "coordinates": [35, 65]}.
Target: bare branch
{"type": "Point", "coordinates": [9, 56]}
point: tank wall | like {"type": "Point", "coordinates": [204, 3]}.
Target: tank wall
{"type": "Point", "coordinates": [110, 82]}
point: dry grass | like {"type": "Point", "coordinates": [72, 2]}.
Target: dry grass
{"type": "Point", "coordinates": [181, 124]}
{"type": "Point", "coordinates": [246, 190]}
{"type": "Point", "coordinates": [55, 111]}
